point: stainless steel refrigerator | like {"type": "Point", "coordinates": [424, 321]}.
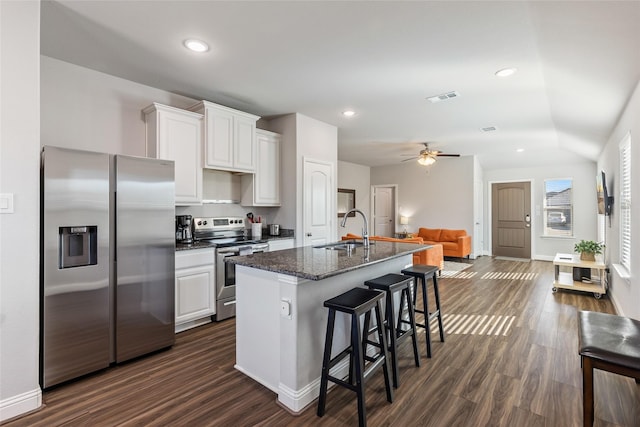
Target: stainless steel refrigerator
{"type": "Point", "coordinates": [107, 260]}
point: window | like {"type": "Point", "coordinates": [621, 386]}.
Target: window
{"type": "Point", "coordinates": [625, 202]}
{"type": "Point", "coordinates": [558, 207]}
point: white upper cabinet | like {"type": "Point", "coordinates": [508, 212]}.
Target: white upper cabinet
{"type": "Point", "coordinates": [175, 134]}
{"type": "Point", "coordinates": [229, 138]}
{"type": "Point", "coordinates": [263, 188]}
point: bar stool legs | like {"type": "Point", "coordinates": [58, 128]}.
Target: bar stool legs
{"type": "Point", "coordinates": [422, 273]}
{"type": "Point", "coordinates": [392, 284]}
{"type": "Point", "coordinates": [355, 302]}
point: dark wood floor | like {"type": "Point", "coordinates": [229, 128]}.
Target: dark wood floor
{"type": "Point", "coordinates": [524, 372]}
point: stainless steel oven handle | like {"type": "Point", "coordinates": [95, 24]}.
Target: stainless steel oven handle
{"type": "Point", "coordinates": [260, 248]}
{"type": "Point", "coordinates": [228, 252]}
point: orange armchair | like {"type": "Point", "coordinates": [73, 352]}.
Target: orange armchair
{"type": "Point", "coordinates": [431, 256]}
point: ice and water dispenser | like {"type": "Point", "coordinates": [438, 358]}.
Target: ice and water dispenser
{"type": "Point", "coordinates": [77, 246]}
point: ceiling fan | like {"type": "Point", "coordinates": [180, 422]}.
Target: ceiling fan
{"type": "Point", "coordinates": [427, 157]}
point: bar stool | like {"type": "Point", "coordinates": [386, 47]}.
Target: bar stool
{"type": "Point", "coordinates": [355, 302]}
{"type": "Point", "coordinates": [423, 273]}
{"type": "Point", "coordinates": [391, 284]}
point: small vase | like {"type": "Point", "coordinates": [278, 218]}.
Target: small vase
{"type": "Point", "coordinates": [587, 256]}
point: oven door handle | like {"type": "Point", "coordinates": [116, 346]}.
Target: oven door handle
{"type": "Point", "coordinates": [262, 247]}
{"type": "Point", "coordinates": [228, 252]}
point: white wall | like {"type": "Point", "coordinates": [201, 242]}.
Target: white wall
{"type": "Point", "coordinates": [89, 110]}
{"type": "Point", "coordinates": [584, 205]}
{"type": "Point", "coordinates": [625, 293]}
{"type": "Point", "coordinates": [302, 137]}
{"type": "Point", "coordinates": [437, 196]}
{"type": "Point", "coordinates": [355, 177]}
{"type": "Point", "coordinates": [286, 126]}
{"type": "Point", "coordinates": [19, 232]}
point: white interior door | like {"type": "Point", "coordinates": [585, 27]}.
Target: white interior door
{"type": "Point", "coordinates": [318, 195]}
{"type": "Point", "coordinates": [478, 207]}
{"type": "Point", "coordinates": [384, 212]}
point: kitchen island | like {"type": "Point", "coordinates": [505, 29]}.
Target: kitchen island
{"type": "Point", "coordinates": [280, 317]}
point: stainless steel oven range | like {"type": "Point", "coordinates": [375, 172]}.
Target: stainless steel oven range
{"type": "Point", "coordinates": [227, 235]}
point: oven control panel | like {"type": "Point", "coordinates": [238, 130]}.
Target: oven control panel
{"type": "Point", "coordinates": [218, 224]}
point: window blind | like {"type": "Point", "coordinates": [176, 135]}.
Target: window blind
{"type": "Point", "coordinates": [625, 202]}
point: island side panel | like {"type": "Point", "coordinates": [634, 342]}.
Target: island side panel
{"type": "Point", "coordinates": [302, 336]}
{"type": "Point", "coordinates": [258, 325]}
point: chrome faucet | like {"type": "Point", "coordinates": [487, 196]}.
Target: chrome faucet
{"type": "Point", "coordinates": [365, 230]}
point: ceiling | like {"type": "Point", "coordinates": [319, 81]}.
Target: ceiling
{"type": "Point", "coordinates": [578, 63]}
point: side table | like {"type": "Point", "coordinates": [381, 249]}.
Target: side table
{"type": "Point", "coordinates": [564, 280]}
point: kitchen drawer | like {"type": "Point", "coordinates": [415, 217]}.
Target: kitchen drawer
{"type": "Point", "coordinates": [194, 258]}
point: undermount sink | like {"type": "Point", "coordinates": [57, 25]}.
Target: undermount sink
{"type": "Point", "coordinates": [344, 245]}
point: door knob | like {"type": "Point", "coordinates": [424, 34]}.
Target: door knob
{"type": "Point", "coordinates": [308, 234]}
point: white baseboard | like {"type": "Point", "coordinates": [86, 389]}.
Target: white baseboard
{"type": "Point", "coordinates": [612, 297]}
{"type": "Point", "coordinates": [20, 404]}
{"type": "Point", "coordinates": [298, 400]}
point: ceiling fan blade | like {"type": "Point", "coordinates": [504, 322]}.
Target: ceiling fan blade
{"type": "Point", "coordinates": [411, 158]}
{"type": "Point", "coordinates": [447, 155]}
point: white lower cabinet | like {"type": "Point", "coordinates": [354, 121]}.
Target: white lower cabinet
{"type": "Point", "coordinates": [195, 288]}
{"type": "Point", "coordinates": [279, 244]}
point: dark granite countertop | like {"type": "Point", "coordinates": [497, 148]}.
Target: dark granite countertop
{"type": "Point", "coordinates": [319, 263]}
{"type": "Point", "coordinates": [195, 245]}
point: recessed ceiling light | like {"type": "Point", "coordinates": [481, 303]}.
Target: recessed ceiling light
{"type": "Point", "coordinates": [520, 150]}
{"type": "Point", "coordinates": [349, 113]}
{"type": "Point", "coordinates": [196, 45]}
{"type": "Point", "coordinates": [506, 72]}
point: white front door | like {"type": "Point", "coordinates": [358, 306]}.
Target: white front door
{"type": "Point", "coordinates": [317, 202]}
{"type": "Point", "coordinates": [383, 212]}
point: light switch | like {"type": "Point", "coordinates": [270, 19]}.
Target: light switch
{"type": "Point", "coordinates": [6, 203]}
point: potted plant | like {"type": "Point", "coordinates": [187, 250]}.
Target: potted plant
{"type": "Point", "coordinates": [588, 249]}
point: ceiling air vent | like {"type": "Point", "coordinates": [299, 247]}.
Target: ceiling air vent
{"type": "Point", "coordinates": [443, 97]}
{"type": "Point", "coordinates": [489, 129]}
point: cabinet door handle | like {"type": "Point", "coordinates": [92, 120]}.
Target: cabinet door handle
{"type": "Point", "coordinates": [308, 234]}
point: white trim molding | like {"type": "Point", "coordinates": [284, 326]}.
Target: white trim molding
{"type": "Point", "coordinates": [20, 404]}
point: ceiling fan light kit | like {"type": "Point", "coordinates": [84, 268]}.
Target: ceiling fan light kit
{"type": "Point", "coordinates": [426, 160]}
{"type": "Point", "coordinates": [427, 157]}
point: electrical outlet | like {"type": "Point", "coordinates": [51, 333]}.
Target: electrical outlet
{"type": "Point", "coordinates": [285, 308]}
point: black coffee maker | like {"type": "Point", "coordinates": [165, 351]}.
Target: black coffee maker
{"type": "Point", "coordinates": [184, 229]}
